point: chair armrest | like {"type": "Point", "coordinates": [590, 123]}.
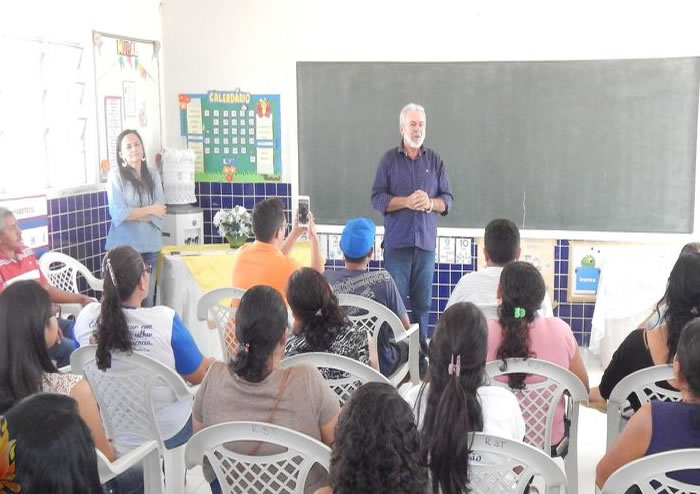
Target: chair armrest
{"type": "Point", "coordinates": [108, 470]}
{"type": "Point", "coordinates": [70, 309]}
{"type": "Point", "coordinates": [413, 336]}
{"type": "Point", "coordinates": [66, 369]}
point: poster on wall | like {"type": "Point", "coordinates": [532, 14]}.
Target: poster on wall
{"type": "Point", "coordinates": [31, 214]}
{"type": "Point", "coordinates": [235, 135]}
{"type": "Point", "coordinates": [584, 271]}
{"type": "Point", "coordinates": [127, 88]}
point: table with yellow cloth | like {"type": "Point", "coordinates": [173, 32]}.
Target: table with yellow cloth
{"type": "Point", "coordinates": [185, 273]}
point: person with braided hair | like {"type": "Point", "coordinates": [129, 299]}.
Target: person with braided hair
{"type": "Point", "coordinates": [520, 333]}
{"type": "Point", "coordinates": [455, 399]}
{"type": "Point", "coordinates": [664, 426]}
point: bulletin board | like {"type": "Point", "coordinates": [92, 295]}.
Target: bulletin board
{"type": "Point", "coordinates": [127, 88]}
{"type": "Point", "coordinates": [235, 135]}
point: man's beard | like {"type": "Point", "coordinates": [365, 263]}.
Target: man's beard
{"type": "Point", "coordinates": [413, 143]}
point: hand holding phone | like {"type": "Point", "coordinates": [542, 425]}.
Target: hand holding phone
{"type": "Point", "coordinates": [303, 209]}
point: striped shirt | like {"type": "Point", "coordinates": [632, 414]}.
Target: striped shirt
{"type": "Point", "coordinates": [23, 267]}
{"type": "Point", "coordinates": [399, 175]}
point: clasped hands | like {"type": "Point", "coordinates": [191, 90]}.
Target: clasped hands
{"type": "Point", "coordinates": [419, 201]}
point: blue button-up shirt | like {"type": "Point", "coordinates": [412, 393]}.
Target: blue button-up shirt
{"type": "Point", "coordinates": [399, 175]}
{"type": "Point", "coordinates": [122, 197]}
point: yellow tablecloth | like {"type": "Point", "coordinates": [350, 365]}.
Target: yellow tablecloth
{"type": "Point", "coordinates": [212, 265]}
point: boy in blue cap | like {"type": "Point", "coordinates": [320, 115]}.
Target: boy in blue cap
{"type": "Point", "coordinates": [357, 244]}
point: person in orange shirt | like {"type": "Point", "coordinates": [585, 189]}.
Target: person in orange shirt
{"type": "Point", "coordinates": [266, 261]}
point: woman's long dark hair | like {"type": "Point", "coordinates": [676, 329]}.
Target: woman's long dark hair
{"type": "Point", "coordinates": [54, 450]}
{"type": "Point", "coordinates": [122, 268]}
{"type": "Point", "coordinates": [376, 445]}
{"type": "Point", "coordinates": [682, 298]}
{"type": "Point", "coordinates": [689, 361]}
{"type": "Point", "coordinates": [25, 310]}
{"type": "Point", "coordinates": [313, 302]}
{"type": "Point", "coordinates": [452, 408]}
{"type": "Point", "coordinates": [146, 184]}
{"type": "Point", "coordinates": [261, 320]}
{"type": "Point", "coordinates": [522, 288]}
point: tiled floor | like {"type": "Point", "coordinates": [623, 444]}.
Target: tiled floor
{"type": "Point", "coordinates": [591, 441]}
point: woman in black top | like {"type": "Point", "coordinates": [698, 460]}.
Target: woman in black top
{"type": "Point", "coordinates": [648, 347]}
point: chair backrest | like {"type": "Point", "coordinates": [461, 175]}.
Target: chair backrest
{"type": "Point", "coordinates": [643, 385]}
{"type": "Point", "coordinates": [538, 401]}
{"type": "Point", "coordinates": [241, 473]}
{"type": "Point", "coordinates": [500, 465]}
{"type": "Point", "coordinates": [352, 375]}
{"type": "Point", "coordinates": [61, 271]}
{"type": "Point", "coordinates": [650, 473]}
{"type": "Point", "coordinates": [216, 305]}
{"type": "Point", "coordinates": [124, 392]}
{"type": "Point", "coordinates": [371, 317]}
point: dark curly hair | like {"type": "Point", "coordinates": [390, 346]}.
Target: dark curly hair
{"type": "Point", "coordinates": [315, 305]}
{"type": "Point", "coordinates": [376, 449]}
{"type": "Point", "coordinates": [689, 361]}
{"type": "Point", "coordinates": [122, 268]}
{"type": "Point", "coordinates": [261, 321]}
{"type": "Point", "coordinates": [682, 298]}
{"type": "Point", "coordinates": [521, 287]}
{"type": "Point", "coordinates": [453, 409]}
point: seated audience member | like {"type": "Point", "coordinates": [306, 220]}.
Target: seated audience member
{"type": "Point", "coordinates": [320, 323]}
{"type": "Point", "coordinates": [27, 329]}
{"type": "Point", "coordinates": [17, 262]}
{"type": "Point", "coordinates": [647, 347]}
{"type": "Point", "coordinates": [520, 333]}
{"type": "Point", "coordinates": [54, 451]}
{"type": "Point", "coordinates": [664, 426]}
{"type": "Point", "coordinates": [501, 246]}
{"type": "Point", "coordinates": [357, 244]}
{"type": "Point", "coordinates": [119, 323]}
{"type": "Point", "coordinates": [377, 448]}
{"type": "Point", "coordinates": [253, 387]}
{"type": "Point", "coordinates": [657, 316]}
{"type": "Point", "coordinates": [456, 400]}
{"type": "Point", "coordinates": [266, 261]}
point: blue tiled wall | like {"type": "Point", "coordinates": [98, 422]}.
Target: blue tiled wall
{"type": "Point", "coordinates": [78, 226]}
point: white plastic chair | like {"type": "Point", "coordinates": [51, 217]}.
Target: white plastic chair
{"type": "Point", "coordinates": [354, 373]}
{"type": "Point", "coordinates": [242, 473]}
{"type": "Point", "coordinates": [146, 453]}
{"type": "Point", "coordinates": [62, 271]}
{"type": "Point", "coordinates": [124, 395]}
{"type": "Point", "coordinates": [210, 306]}
{"type": "Point", "coordinates": [494, 462]}
{"type": "Point", "coordinates": [641, 384]}
{"type": "Point", "coordinates": [538, 402]}
{"type": "Point", "coordinates": [371, 319]}
{"type": "Point", "coordinates": [650, 473]}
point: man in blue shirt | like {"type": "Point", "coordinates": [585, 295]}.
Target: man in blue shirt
{"type": "Point", "coordinates": [410, 187]}
{"type": "Point", "coordinates": [357, 244]}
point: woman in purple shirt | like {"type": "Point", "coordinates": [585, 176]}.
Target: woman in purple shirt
{"type": "Point", "coordinates": [664, 426]}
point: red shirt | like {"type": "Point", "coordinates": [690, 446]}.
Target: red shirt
{"type": "Point", "coordinates": [25, 267]}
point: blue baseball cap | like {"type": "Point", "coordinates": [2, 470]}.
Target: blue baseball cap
{"type": "Point", "coordinates": [358, 237]}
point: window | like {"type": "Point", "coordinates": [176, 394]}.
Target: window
{"type": "Point", "coordinates": [43, 120]}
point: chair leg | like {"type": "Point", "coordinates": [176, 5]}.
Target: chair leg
{"type": "Point", "coordinates": [152, 476]}
{"type": "Point", "coordinates": [175, 470]}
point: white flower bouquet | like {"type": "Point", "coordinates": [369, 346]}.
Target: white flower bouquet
{"type": "Point", "coordinates": [235, 225]}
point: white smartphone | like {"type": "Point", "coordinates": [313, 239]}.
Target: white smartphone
{"type": "Point", "coordinates": [303, 208]}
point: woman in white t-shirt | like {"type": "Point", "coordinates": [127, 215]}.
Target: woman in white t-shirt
{"type": "Point", "coordinates": [455, 400]}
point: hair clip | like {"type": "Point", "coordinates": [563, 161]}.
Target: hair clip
{"type": "Point", "coordinates": [111, 271]}
{"type": "Point", "coordinates": [454, 367]}
{"type": "Point", "coordinates": [519, 313]}
{"type": "Point", "coordinates": [246, 347]}
{"type": "Point", "coordinates": [694, 311]}
{"type": "Point", "coordinates": [319, 312]}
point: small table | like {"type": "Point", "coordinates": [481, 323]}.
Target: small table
{"type": "Point", "coordinates": [185, 273]}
